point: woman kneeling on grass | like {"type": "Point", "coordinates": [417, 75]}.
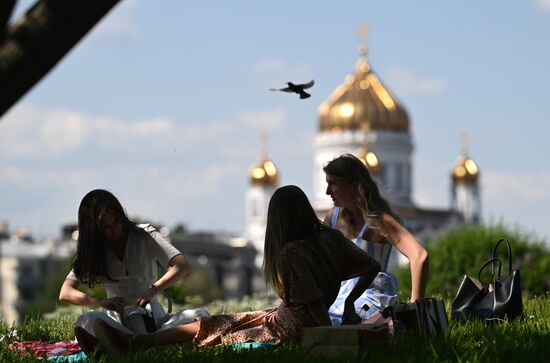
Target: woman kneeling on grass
{"type": "Point", "coordinates": [305, 262]}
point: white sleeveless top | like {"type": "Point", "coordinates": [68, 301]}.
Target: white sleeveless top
{"type": "Point", "coordinates": [379, 251]}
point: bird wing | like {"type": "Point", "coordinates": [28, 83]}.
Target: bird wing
{"type": "Point", "coordinates": [286, 89]}
{"type": "Point", "coordinates": [307, 85]}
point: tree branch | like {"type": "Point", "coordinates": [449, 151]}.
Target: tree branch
{"type": "Point", "coordinates": [34, 44]}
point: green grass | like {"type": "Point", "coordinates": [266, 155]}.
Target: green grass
{"type": "Point", "coordinates": [526, 339]}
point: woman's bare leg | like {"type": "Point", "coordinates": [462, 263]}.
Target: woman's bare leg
{"type": "Point", "coordinates": [178, 334]}
{"type": "Point", "coordinates": [117, 342]}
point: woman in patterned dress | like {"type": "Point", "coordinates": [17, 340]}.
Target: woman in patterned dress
{"type": "Point", "coordinates": [304, 262]}
{"type": "Point", "coordinates": [366, 218]}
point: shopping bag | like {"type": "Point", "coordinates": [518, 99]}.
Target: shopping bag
{"type": "Point", "coordinates": [425, 317]}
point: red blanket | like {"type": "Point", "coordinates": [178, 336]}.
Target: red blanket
{"type": "Point", "coordinates": [45, 350]}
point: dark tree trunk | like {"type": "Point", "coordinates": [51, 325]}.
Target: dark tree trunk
{"type": "Point", "coordinates": [6, 7]}
{"type": "Point", "coordinates": [37, 41]}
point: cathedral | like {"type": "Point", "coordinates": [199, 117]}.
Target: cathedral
{"type": "Point", "coordinates": [364, 118]}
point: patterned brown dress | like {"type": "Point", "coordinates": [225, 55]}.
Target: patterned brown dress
{"type": "Point", "coordinates": [311, 273]}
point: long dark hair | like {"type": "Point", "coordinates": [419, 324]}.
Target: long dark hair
{"type": "Point", "coordinates": [350, 169]}
{"type": "Point", "coordinates": [89, 264]}
{"type": "Point", "coordinates": [290, 217]}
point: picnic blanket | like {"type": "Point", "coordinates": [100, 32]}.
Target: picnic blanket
{"type": "Point", "coordinates": [73, 358]}
{"type": "Point", "coordinates": [45, 349]}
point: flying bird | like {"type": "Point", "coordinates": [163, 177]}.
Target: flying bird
{"type": "Point", "coordinates": [296, 88]}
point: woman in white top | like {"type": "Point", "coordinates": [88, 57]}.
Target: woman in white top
{"type": "Point", "coordinates": [122, 257]}
{"type": "Point", "coordinates": [366, 218]}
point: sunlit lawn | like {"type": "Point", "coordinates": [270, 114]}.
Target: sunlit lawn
{"type": "Point", "coordinates": [526, 339]}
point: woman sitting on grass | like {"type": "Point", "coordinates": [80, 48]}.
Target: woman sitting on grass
{"type": "Point", "coordinates": [365, 217]}
{"type": "Point", "coordinates": [122, 257]}
{"type": "Point", "coordinates": [304, 262]}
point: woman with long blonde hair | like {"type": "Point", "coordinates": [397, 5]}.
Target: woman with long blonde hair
{"type": "Point", "coordinates": [365, 217]}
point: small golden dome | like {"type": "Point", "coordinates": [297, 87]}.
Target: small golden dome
{"type": "Point", "coordinates": [370, 159]}
{"type": "Point", "coordinates": [465, 171]}
{"type": "Point", "coordinates": [362, 102]}
{"type": "Point", "coordinates": [264, 173]}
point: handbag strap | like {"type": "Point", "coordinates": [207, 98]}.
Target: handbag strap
{"type": "Point", "coordinates": [149, 320]}
{"type": "Point", "coordinates": [509, 253]}
{"type": "Point", "coordinates": [168, 301]}
{"type": "Point", "coordinates": [491, 262]}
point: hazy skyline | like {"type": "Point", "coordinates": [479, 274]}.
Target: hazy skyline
{"type": "Point", "coordinates": [165, 106]}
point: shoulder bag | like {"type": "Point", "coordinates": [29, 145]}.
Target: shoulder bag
{"type": "Point", "coordinates": [494, 299]}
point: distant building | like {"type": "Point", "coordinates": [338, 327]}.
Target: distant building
{"type": "Point", "coordinates": [229, 261]}
{"type": "Point", "coordinates": [25, 267]}
{"type": "Point", "coordinates": [4, 230]}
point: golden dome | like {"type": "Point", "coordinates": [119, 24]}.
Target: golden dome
{"type": "Point", "coordinates": [369, 159]}
{"type": "Point", "coordinates": [362, 102]}
{"type": "Point", "coordinates": [465, 170]}
{"type": "Point", "coordinates": [264, 173]}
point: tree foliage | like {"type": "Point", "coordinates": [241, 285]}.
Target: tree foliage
{"type": "Point", "coordinates": [466, 249]}
{"type": "Point", "coordinates": [197, 288]}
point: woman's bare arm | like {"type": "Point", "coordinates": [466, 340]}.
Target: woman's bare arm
{"type": "Point", "coordinates": [69, 293]}
{"type": "Point", "coordinates": [179, 268]}
{"type": "Point", "coordinates": [405, 243]}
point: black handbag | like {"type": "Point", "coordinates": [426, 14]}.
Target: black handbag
{"type": "Point", "coordinates": [494, 299]}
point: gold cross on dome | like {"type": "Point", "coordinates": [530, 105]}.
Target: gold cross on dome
{"type": "Point", "coordinates": [363, 32]}
{"type": "Point", "coordinates": [263, 141]}
{"type": "Point", "coordinates": [464, 137]}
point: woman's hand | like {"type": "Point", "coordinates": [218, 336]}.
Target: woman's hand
{"type": "Point", "coordinates": [147, 296]}
{"type": "Point", "coordinates": [70, 293]}
{"type": "Point", "coordinates": [350, 316]}
{"type": "Point", "coordinates": [319, 312]}
{"type": "Point", "coordinates": [177, 271]}
{"type": "Point", "coordinates": [113, 303]}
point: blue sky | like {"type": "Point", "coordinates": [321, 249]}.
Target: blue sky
{"type": "Point", "coordinates": [163, 103]}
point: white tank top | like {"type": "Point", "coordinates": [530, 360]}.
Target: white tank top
{"type": "Point", "coordinates": [379, 251]}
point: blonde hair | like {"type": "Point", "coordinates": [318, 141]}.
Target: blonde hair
{"type": "Point", "coordinates": [349, 169]}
